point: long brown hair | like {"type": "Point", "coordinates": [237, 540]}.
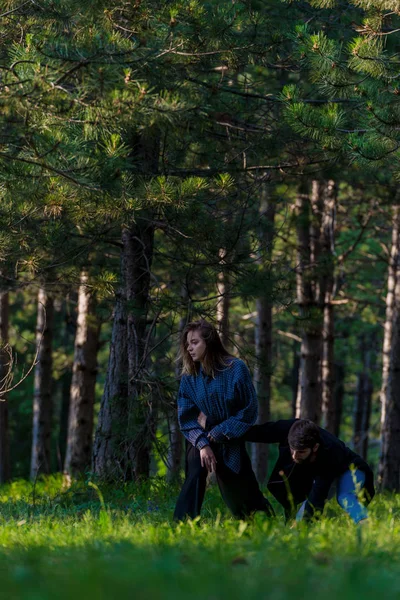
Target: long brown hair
{"type": "Point", "coordinates": [216, 355]}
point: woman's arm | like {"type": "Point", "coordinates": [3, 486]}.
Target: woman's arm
{"type": "Point", "coordinates": [238, 424]}
{"type": "Point", "coordinates": [187, 418]}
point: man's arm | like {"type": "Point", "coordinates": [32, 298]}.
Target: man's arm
{"type": "Point", "coordinates": [317, 497]}
{"type": "Point", "coordinates": [270, 432]}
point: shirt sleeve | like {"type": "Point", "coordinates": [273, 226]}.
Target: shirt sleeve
{"type": "Point", "coordinates": [317, 497]}
{"type": "Point", "coordinates": [245, 396]}
{"type": "Point", "coordinates": [270, 432]}
{"type": "Point", "coordinates": [187, 418]}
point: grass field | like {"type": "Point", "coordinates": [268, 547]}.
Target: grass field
{"type": "Point", "coordinates": [121, 543]}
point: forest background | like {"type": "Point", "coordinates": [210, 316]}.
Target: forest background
{"type": "Point", "coordinates": [162, 162]}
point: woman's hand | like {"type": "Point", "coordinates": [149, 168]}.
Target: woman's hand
{"type": "Point", "coordinates": [208, 459]}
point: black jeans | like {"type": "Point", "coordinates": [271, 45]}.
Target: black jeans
{"type": "Point", "coordinates": [240, 491]}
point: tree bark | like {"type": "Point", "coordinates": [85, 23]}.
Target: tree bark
{"type": "Point", "coordinates": [138, 245]}
{"type": "Point", "coordinates": [224, 301]}
{"type": "Point", "coordinates": [5, 466]}
{"type": "Point", "coordinates": [315, 289]}
{"type": "Point", "coordinates": [124, 432]}
{"type": "Point", "coordinates": [175, 435]}
{"type": "Point", "coordinates": [390, 469]}
{"type": "Point", "coordinates": [308, 404]}
{"type": "Point", "coordinates": [42, 399]}
{"type": "Point", "coordinates": [64, 384]}
{"type": "Point", "coordinates": [362, 413]}
{"type": "Point", "coordinates": [326, 294]}
{"type": "Point", "coordinates": [110, 461]}
{"type": "Point", "coordinates": [338, 401]}
{"type": "Point", "coordinates": [295, 378]}
{"type": "Point", "coordinates": [263, 335]}
{"type": "Point", "coordinates": [127, 417]}
{"type": "Point", "coordinates": [384, 475]}
{"type": "Point", "coordinates": [82, 393]}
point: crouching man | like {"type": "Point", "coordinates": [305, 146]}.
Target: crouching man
{"type": "Point", "coordinates": [310, 460]}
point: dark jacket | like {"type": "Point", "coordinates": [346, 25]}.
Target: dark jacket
{"type": "Point", "coordinates": [293, 483]}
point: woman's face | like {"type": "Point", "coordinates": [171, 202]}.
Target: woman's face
{"type": "Point", "coordinates": [196, 346]}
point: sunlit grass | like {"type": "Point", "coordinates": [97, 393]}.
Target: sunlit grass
{"type": "Point", "coordinates": [63, 543]}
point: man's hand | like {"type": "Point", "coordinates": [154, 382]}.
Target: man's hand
{"type": "Point", "coordinates": [208, 459]}
{"type": "Point", "coordinates": [202, 420]}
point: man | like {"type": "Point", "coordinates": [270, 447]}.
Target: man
{"type": "Point", "coordinates": [220, 386]}
{"type": "Point", "coordinates": [310, 460]}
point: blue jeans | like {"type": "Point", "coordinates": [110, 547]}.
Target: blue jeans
{"type": "Point", "coordinates": [348, 487]}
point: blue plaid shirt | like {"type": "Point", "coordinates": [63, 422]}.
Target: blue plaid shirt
{"type": "Point", "coordinates": [229, 401]}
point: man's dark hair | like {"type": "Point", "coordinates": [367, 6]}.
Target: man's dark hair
{"type": "Point", "coordinates": [303, 434]}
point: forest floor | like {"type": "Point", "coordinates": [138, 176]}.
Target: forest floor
{"type": "Point", "coordinates": [121, 543]}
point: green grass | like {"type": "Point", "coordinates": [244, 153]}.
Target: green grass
{"type": "Point", "coordinates": [57, 543]}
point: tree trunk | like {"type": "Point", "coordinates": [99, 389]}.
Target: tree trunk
{"type": "Point", "coordinates": [295, 378]}
{"type": "Point", "coordinates": [5, 467]}
{"type": "Point", "coordinates": [175, 435]}
{"type": "Point", "coordinates": [338, 400]}
{"type": "Point", "coordinates": [127, 417]}
{"type": "Point", "coordinates": [387, 354]}
{"type": "Point", "coordinates": [65, 389]}
{"type": "Point", "coordinates": [327, 292]}
{"type": "Point", "coordinates": [82, 396]}
{"type": "Point", "coordinates": [362, 413]}
{"type": "Point", "coordinates": [123, 436]}
{"type": "Point", "coordinates": [363, 400]}
{"type": "Point", "coordinates": [390, 470]}
{"type": "Point", "coordinates": [224, 301]}
{"type": "Point", "coordinates": [309, 390]}
{"type": "Point", "coordinates": [138, 246]}
{"type": "Point", "coordinates": [110, 461]}
{"type": "Point", "coordinates": [42, 400]}
{"type": "Point", "coordinates": [263, 337]}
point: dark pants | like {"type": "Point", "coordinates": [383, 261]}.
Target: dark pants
{"type": "Point", "coordinates": [240, 491]}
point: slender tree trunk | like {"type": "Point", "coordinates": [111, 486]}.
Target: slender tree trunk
{"type": "Point", "coordinates": [368, 391]}
{"type": "Point", "coordinates": [65, 388]}
{"type": "Point", "coordinates": [363, 400]}
{"type": "Point", "coordinates": [175, 435]}
{"type": "Point", "coordinates": [390, 470]}
{"type": "Point", "coordinates": [328, 366]}
{"type": "Point", "coordinates": [224, 301]}
{"type": "Point", "coordinates": [263, 338]}
{"type": "Point", "coordinates": [309, 390]}
{"type": "Point", "coordinates": [82, 396]}
{"type": "Point", "coordinates": [362, 413]}
{"type": "Point", "coordinates": [138, 244]}
{"type": "Point", "coordinates": [110, 461]}
{"type": "Point", "coordinates": [338, 401]}
{"type": "Point", "coordinates": [295, 378]}
{"type": "Point", "coordinates": [387, 354]}
{"type": "Point", "coordinates": [5, 467]}
{"type": "Point", "coordinates": [326, 292]}
{"type": "Point", "coordinates": [42, 399]}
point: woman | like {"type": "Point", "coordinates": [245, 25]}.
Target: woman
{"type": "Point", "coordinates": [219, 385]}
